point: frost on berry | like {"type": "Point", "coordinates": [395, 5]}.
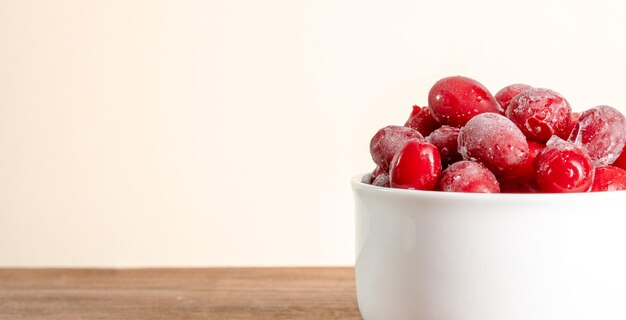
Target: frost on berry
{"type": "Point", "coordinates": [422, 120]}
{"type": "Point", "coordinates": [446, 140]}
{"type": "Point", "coordinates": [540, 114]}
{"type": "Point", "coordinates": [468, 176]}
{"type": "Point", "coordinates": [495, 141]}
{"type": "Point", "coordinates": [369, 178]}
{"type": "Point", "coordinates": [602, 132]}
{"type": "Point", "coordinates": [382, 180]}
{"type": "Point", "coordinates": [507, 93]}
{"type": "Point", "coordinates": [387, 141]}
{"type": "Point", "coordinates": [609, 178]}
{"type": "Point", "coordinates": [621, 160]}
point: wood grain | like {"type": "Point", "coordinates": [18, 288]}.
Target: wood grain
{"type": "Point", "coordinates": [225, 293]}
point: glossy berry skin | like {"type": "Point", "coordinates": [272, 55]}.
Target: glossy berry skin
{"type": "Point", "coordinates": [495, 141]}
{"type": "Point", "coordinates": [387, 141]}
{"type": "Point", "coordinates": [446, 140]}
{"type": "Point", "coordinates": [455, 100]}
{"type": "Point", "coordinates": [621, 160]}
{"type": "Point", "coordinates": [602, 132]}
{"type": "Point", "coordinates": [609, 178]}
{"type": "Point", "coordinates": [468, 176]}
{"type": "Point", "coordinates": [416, 166]}
{"type": "Point", "coordinates": [382, 180]}
{"type": "Point", "coordinates": [563, 167]}
{"type": "Point", "coordinates": [507, 93]}
{"type": "Point", "coordinates": [422, 120]}
{"type": "Point", "coordinates": [540, 114]}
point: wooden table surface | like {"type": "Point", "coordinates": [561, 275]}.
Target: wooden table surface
{"type": "Point", "coordinates": [225, 293]}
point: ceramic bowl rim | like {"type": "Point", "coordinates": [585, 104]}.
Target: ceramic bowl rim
{"type": "Point", "coordinates": [357, 184]}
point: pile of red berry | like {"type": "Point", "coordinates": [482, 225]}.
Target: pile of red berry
{"type": "Point", "coordinates": [522, 140]}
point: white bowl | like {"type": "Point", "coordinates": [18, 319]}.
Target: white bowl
{"type": "Point", "coordinates": [425, 255]}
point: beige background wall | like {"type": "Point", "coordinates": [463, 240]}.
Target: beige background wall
{"type": "Point", "coordinates": [140, 133]}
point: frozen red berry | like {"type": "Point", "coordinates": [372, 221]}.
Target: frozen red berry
{"type": "Point", "coordinates": [455, 100]}
{"type": "Point", "coordinates": [377, 171]}
{"type": "Point", "coordinates": [602, 132]}
{"type": "Point", "coordinates": [527, 170]}
{"type": "Point", "coordinates": [621, 161]}
{"type": "Point", "coordinates": [446, 141]}
{"type": "Point", "coordinates": [563, 167]}
{"type": "Point", "coordinates": [382, 180]}
{"type": "Point", "coordinates": [416, 166]}
{"type": "Point", "coordinates": [415, 110]}
{"type": "Point", "coordinates": [540, 113]}
{"type": "Point", "coordinates": [609, 178]}
{"type": "Point", "coordinates": [468, 176]}
{"type": "Point", "coordinates": [369, 178]}
{"type": "Point", "coordinates": [522, 179]}
{"type": "Point", "coordinates": [507, 93]}
{"type": "Point", "coordinates": [495, 141]}
{"type": "Point", "coordinates": [422, 120]}
{"type": "Point", "coordinates": [387, 141]}
{"type": "Point", "coordinates": [572, 123]}
{"type": "Point", "coordinates": [511, 184]}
